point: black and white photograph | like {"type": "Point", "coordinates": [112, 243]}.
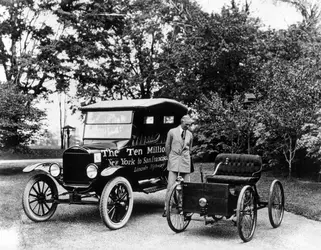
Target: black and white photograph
{"type": "Point", "coordinates": [160, 124]}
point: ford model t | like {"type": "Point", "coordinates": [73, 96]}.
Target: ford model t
{"type": "Point", "coordinates": [123, 151]}
{"type": "Point", "coordinates": [228, 193]}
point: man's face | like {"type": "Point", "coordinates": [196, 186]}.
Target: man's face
{"type": "Point", "coordinates": [192, 127]}
{"type": "Point", "coordinates": [186, 125]}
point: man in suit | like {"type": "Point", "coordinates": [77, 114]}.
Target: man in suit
{"type": "Point", "coordinates": [178, 144]}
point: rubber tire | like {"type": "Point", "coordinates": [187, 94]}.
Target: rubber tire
{"type": "Point", "coordinates": [239, 215]}
{"type": "Point", "coordinates": [273, 187]}
{"type": "Point", "coordinates": [170, 211]}
{"type": "Point", "coordinates": [103, 205]}
{"type": "Point", "coordinates": [47, 180]}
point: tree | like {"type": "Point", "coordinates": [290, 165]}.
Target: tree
{"type": "Point", "coordinates": [289, 85]}
{"type": "Point", "coordinates": [212, 53]}
{"type": "Point", "coordinates": [28, 53]}
{"type": "Point", "coordinates": [311, 139]}
{"type": "Point", "coordinates": [309, 10]}
{"type": "Point", "coordinates": [293, 100]}
{"type": "Point", "coordinates": [224, 126]}
{"type": "Point", "coordinates": [27, 45]}
{"type": "Point", "coordinates": [116, 46]}
{"type": "Point", "coordinates": [18, 121]}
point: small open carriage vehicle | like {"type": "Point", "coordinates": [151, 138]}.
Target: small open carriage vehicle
{"type": "Point", "coordinates": [229, 192]}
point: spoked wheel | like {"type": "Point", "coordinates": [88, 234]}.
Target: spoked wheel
{"type": "Point", "coordinates": [246, 213]}
{"type": "Point", "coordinates": [176, 218]}
{"type": "Point", "coordinates": [116, 203]}
{"type": "Point", "coordinates": [276, 203]}
{"type": "Point", "coordinates": [38, 199]}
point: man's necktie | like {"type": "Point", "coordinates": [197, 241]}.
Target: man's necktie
{"type": "Point", "coordinates": [183, 134]}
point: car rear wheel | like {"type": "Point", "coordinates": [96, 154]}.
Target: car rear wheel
{"type": "Point", "coordinates": [116, 203]}
{"type": "Point", "coordinates": [276, 203]}
{"type": "Point", "coordinates": [246, 213]}
{"type": "Point", "coordinates": [38, 199]}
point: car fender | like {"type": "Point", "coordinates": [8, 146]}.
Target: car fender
{"type": "Point", "coordinates": [38, 166]}
{"type": "Point", "coordinates": [110, 170]}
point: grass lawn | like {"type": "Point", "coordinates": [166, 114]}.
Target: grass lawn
{"type": "Point", "coordinates": [302, 197]}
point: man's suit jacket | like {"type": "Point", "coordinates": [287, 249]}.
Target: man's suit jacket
{"type": "Point", "coordinates": [178, 151]}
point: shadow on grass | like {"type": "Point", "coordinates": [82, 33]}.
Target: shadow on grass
{"type": "Point", "coordinates": [40, 153]}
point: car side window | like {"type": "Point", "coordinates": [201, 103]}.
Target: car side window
{"type": "Point", "coordinates": [149, 120]}
{"type": "Point", "coordinates": [168, 120]}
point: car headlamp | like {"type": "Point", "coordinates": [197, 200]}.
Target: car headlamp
{"type": "Point", "coordinates": [202, 202]}
{"type": "Point", "coordinates": [54, 169]}
{"type": "Point", "coordinates": [92, 171]}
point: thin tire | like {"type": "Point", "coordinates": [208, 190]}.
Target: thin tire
{"type": "Point", "coordinates": [116, 203]}
{"type": "Point", "coordinates": [176, 218]}
{"type": "Point", "coordinates": [246, 213]}
{"type": "Point", "coordinates": [276, 203]}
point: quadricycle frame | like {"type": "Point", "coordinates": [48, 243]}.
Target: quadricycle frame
{"type": "Point", "coordinates": [228, 193]}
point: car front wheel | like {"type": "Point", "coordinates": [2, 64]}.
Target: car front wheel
{"type": "Point", "coordinates": [116, 203]}
{"type": "Point", "coordinates": [38, 199]}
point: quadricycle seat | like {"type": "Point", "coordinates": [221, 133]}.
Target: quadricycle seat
{"type": "Point", "coordinates": [237, 169]}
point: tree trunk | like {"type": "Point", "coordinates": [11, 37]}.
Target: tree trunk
{"type": "Point", "coordinates": [291, 150]}
{"type": "Point", "coordinates": [61, 125]}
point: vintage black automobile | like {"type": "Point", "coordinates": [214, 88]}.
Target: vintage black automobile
{"type": "Point", "coordinates": [123, 151]}
{"type": "Point", "coordinates": [228, 193]}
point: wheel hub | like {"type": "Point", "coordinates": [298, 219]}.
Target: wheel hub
{"type": "Point", "coordinates": [121, 204]}
{"type": "Point", "coordinates": [41, 198]}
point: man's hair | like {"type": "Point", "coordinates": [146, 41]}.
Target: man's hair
{"type": "Point", "coordinates": [186, 118]}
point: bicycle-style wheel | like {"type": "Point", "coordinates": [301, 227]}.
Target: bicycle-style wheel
{"type": "Point", "coordinates": [276, 203]}
{"type": "Point", "coordinates": [246, 213]}
{"type": "Point", "coordinates": [176, 218]}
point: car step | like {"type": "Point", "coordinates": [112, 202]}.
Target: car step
{"type": "Point", "coordinates": [154, 189]}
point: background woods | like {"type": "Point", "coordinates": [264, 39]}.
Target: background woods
{"type": "Point", "coordinates": [254, 89]}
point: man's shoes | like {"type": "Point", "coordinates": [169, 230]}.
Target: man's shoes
{"type": "Point", "coordinates": [164, 213]}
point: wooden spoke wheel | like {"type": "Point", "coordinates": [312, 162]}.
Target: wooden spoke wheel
{"type": "Point", "coordinates": [116, 203]}
{"type": "Point", "coordinates": [38, 199]}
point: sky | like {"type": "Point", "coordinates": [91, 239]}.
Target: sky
{"type": "Point", "coordinates": [273, 16]}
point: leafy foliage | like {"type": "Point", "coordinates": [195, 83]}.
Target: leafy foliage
{"type": "Point", "coordinates": [115, 47]}
{"type": "Point", "coordinates": [88, 45]}
{"type": "Point", "coordinates": [27, 45]}
{"type": "Point", "coordinates": [292, 91]}
{"type": "Point", "coordinates": [19, 120]}
{"type": "Point", "coordinates": [224, 126]}
{"type": "Point", "coordinates": [212, 53]}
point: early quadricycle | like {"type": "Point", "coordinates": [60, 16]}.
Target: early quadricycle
{"type": "Point", "coordinates": [123, 151]}
{"type": "Point", "coordinates": [229, 192]}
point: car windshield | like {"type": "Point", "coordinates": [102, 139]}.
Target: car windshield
{"type": "Point", "coordinates": [108, 125]}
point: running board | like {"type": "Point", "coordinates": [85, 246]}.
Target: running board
{"type": "Point", "coordinates": [154, 189]}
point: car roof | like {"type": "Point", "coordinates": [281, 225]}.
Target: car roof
{"type": "Point", "coordinates": [132, 104]}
